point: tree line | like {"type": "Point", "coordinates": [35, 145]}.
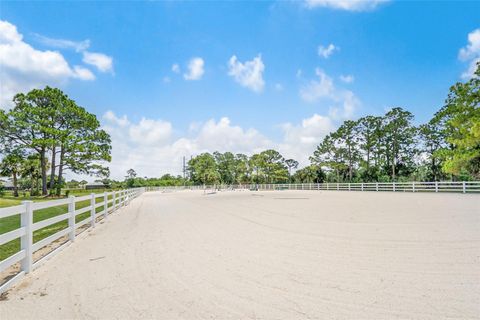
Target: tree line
{"type": "Point", "coordinates": [47, 133]}
{"type": "Point", "coordinates": [373, 148]}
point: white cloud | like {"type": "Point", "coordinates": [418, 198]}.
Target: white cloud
{"type": "Point", "coordinates": [83, 73]}
{"type": "Point", "coordinates": [149, 148]}
{"type": "Point", "coordinates": [150, 132]}
{"type": "Point", "coordinates": [78, 46]}
{"type": "Point", "coordinates": [327, 51]}
{"type": "Point", "coordinates": [347, 78]}
{"type": "Point", "coordinates": [166, 80]}
{"type": "Point", "coordinates": [23, 67]}
{"type": "Point", "coordinates": [175, 68]}
{"type": "Point", "coordinates": [344, 102]}
{"type": "Point", "coordinates": [101, 61]}
{"type": "Point", "coordinates": [471, 53]}
{"type": "Point", "coordinates": [316, 89]}
{"type": "Point", "coordinates": [278, 87]}
{"type": "Point", "coordinates": [301, 140]}
{"type": "Point", "coordinates": [195, 69]}
{"type": "Point", "coordinates": [348, 5]}
{"type": "Point", "coordinates": [248, 74]}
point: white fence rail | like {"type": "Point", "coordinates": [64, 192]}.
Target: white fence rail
{"type": "Point", "coordinates": [437, 186]}
{"type": "Point", "coordinates": [110, 201]}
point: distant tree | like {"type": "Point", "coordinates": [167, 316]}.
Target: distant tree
{"type": "Point", "coordinates": [11, 166]}
{"type": "Point", "coordinates": [273, 166]}
{"type": "Point", "coordinates": [131, 174]}
{"type": "Point", "coordinates": [291, 164]}
{"type": "Point", "coordinates": [31, 170]}
{"type": "Point", "coordinates": [328, 155]}
{"type": "Point", "coordinates": [369, 132]}
{"type": "Point", "coordinates": [309, 174]}
{"type": "Point", "coordinates": [242, 170]}
{"type": "Point", "coordinates": [460, 122]}
{"type": "Point", "coordinates": [225, 163]}
{"type": "Point", "coordinates": [256, 163]}
{"type": "Point", "coordinates": [130, 178]}
{"type": "Point", "coordinates": [203, 169]}
{"type": "Point", "coordinates": [399, 140]}
{"type": "Point", "coordinates": [347, 145]}
{"type": "Point", "coordinates": [432, 139]}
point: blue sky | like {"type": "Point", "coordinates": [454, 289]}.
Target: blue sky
{"type": "Point", "coordinates": [283, 89]}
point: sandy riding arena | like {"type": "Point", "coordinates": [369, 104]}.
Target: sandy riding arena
{"type": "Point", "coordinates": [266, 255]}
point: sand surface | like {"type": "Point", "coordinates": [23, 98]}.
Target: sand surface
{"type": "Point", "coordinates": [267, 255]}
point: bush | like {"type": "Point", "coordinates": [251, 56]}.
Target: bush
{"type": "Point", "coordinates": [2, 190]}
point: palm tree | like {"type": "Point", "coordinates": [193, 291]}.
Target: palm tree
{"type": "Point", "coordinates": [11, 166]}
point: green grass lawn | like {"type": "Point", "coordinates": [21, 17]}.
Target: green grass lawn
{"type": "Point", "coordinates": [13, 222]}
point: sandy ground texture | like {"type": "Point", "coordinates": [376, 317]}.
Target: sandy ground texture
{"type": "Point", "coordinates": [267, 255]}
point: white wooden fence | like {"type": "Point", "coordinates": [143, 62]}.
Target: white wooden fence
{"type": "Point", "coordinates": [437, 186]}
{"type": "Point", "coordinates": [110, 201]}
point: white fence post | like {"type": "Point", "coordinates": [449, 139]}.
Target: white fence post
{"type": "Point", "coordinates": [105, 205]}
{"type": "Point", "coordinates": [464, 187]}
{"type": "Point", "coordinates": [349, 187]}
{"type": "Point", "coordinates": [113, 201]}
{"type": "Point", "coordinates": [413, 186]}
{"type": "Point", "coordinates": [26, 242]}
{"type": "Point", "coordinates": [71, 218]}
{"type": "Point", "coordinates": [393, 186]}
{"type": "Point", "coordinates": [436, 186]}
{"type": "Point", "coordinates": [376, 186]}
{"type": "Point", "coordinates": [92, 209]}
{"type": "Point", "coordinates": [362, 186]}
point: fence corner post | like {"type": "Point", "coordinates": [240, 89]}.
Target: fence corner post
{"type": "Point", "coordinates": [92, 209]}
{"type": "Point", "coordinates": [26, 242]}
{"type": "Point", "coordinates": [71, 218]}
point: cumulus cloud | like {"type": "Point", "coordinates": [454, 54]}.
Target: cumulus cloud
{"type": "Point", "coordinates": [327, 51]}
{"type": "Point", "coordinates": [195, 69]}
{"type": "Point", "coordinates": [300, 140]}
{"type": "Point", "coordinates": [101, 61]}
{"type": "Point", "coordinates": [23, 67]}
{"type": "Point", "coordinates": [149, 147]}
{"type": "Point", "coordinates": [152, 149]}
{"type": "Point", "coordinates": [248, 74]}
{"type": "Point", "coordinates": [347, 78]}
{"type": "Point", "coordinates": [471, 53]}
{"type": "Point", "coordinates": [342, 102]}
{"type": "Point", "coordinates": [347, 5]}
{"type": "Point", "coordinates": [316, 89]}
